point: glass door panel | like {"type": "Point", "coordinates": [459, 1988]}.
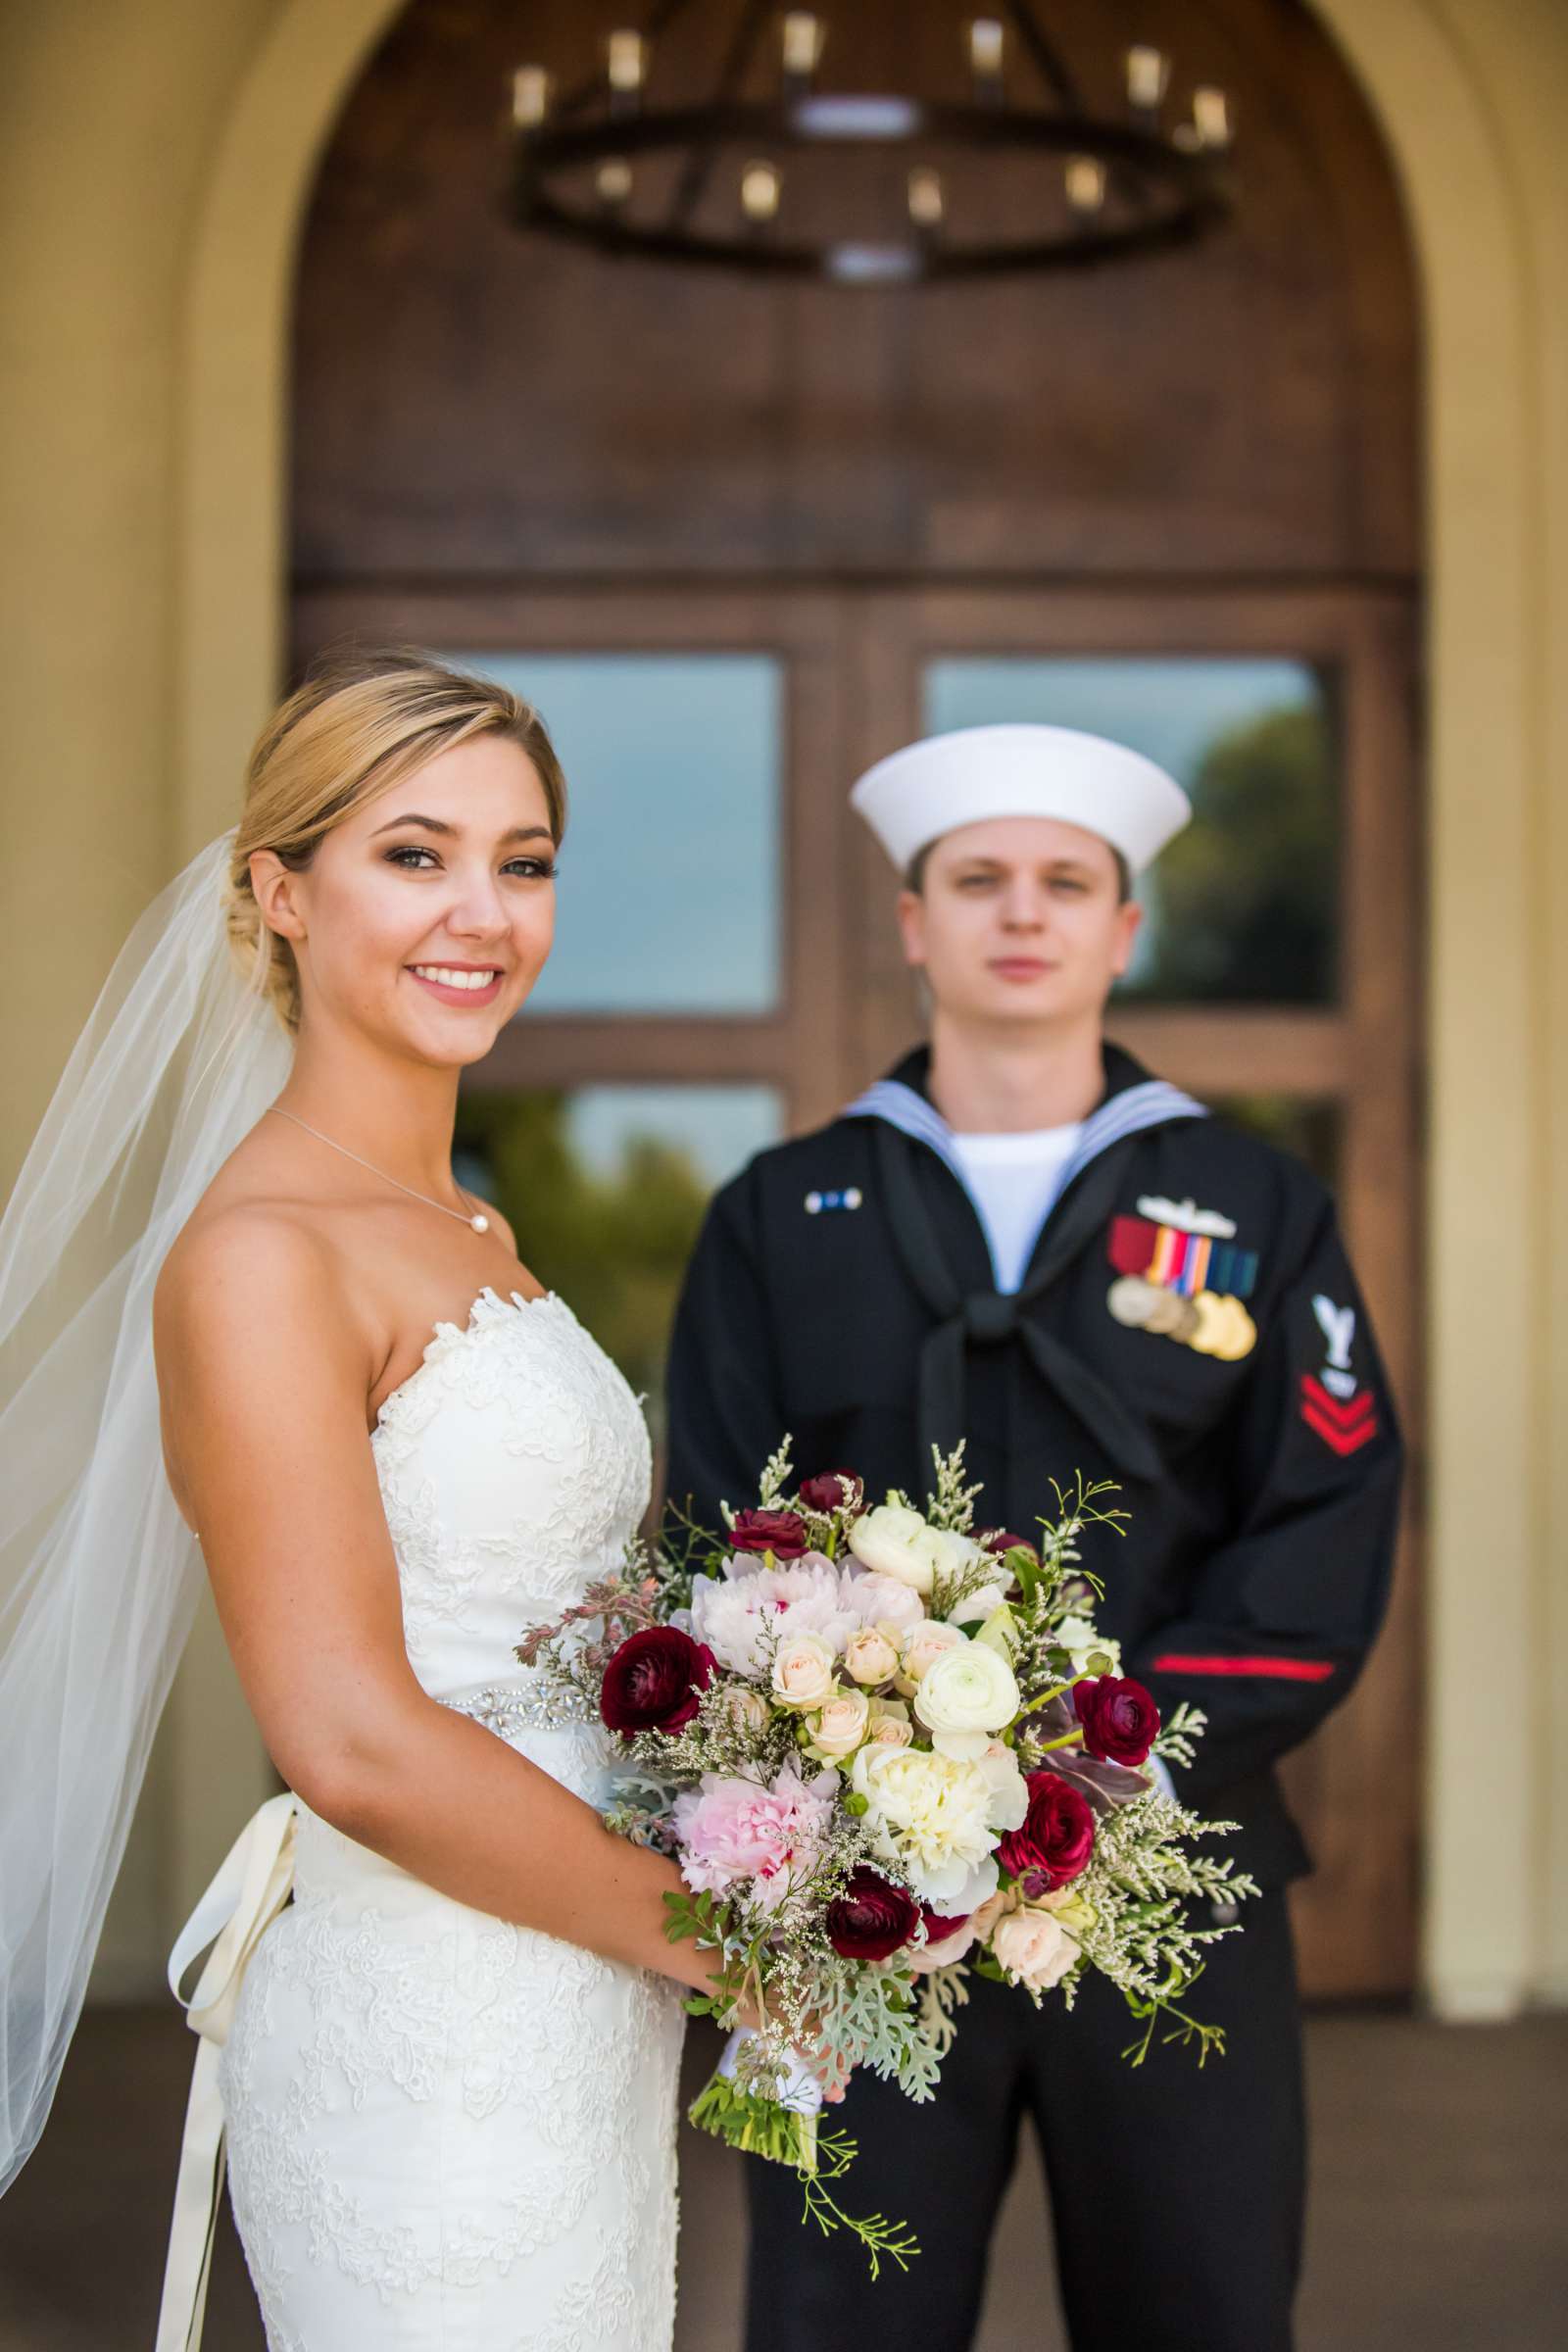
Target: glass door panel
{"type": "Point", "coordinates": [669, 898]}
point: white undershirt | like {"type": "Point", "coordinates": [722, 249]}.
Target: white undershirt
{"type": "Point", "coordinates": [1014, 1181]}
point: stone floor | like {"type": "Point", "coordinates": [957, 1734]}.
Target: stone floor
{"type": "Point", "coordinates": [1439, 2159]}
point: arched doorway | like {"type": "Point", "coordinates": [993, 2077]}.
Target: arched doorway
{"type": "Point", "coordinates": [787, 531]}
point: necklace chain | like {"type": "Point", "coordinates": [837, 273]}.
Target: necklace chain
{"type": "Point", "coordinates": [479, 1223]}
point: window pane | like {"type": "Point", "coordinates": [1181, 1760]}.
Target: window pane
{"type": "Point", "coordinates": [604, 1187]}
{"type": "Point", "coordinates": [1242, 906]}
{"type": "Point", "coordinates": [668, 893]}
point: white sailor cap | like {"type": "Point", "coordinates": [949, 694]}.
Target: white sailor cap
{"type": "Point", "coordinates": [930, 788]}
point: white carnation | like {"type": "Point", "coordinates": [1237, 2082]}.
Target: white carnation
{"type": "Point", "coordinates": [932, 1814]}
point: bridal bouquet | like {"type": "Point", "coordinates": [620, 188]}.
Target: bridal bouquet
{"type": "Point", "coordinates": [886, 1749]}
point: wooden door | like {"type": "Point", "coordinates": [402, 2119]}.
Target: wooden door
{"type": "Point", "coordinates": [1331, 1072]}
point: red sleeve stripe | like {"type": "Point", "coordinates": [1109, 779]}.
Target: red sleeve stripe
{"type": "Point", "coordinates": [1279, 1670]}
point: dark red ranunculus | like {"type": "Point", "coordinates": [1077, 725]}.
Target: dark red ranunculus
{"type": "Point", "coordinates": [1056, 1838]}
{"type": "Point", "coordinates": [1001, 1540]}
{"type": "Point", "coordinates": [872, 1919]}
{"type": "Point", "coordinates": [782, 1532]}
{"type": "Point", "coordinates": [1119, 1718]}
{"type": "Point", "coordinates": [654, 1681]}
{"type": "Point", "coordinates": [834, 1490]}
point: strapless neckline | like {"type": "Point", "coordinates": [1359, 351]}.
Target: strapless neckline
{"type": "Point", "coordinates": [445, 1333]}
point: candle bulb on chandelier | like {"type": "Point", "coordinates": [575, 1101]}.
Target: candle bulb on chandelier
{"type": "Point", "coordinates": [804, 37]}
{"type": "Point", "coordinates": [628, 70]}
{"type": "Point", "coordinates": [1211, 118]}
{"type": "Point", "coordinates": [761, 187]}
{"type": "Point", "coordinates": [927, 203]}
{"type": "Point", "coordinates": [530, 97]}
{"type": "Point", "coordinates": [1147, 77]}
{"type": "Point", "coordinates": [987, 43]}
{"type": "Point", "coordinates": [1085, 183]}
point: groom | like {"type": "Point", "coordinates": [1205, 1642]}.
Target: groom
{"type": "Point", "coordinates": [1021, 1237]}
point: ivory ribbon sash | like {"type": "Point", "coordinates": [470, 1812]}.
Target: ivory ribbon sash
{"type": "Point", "coordinates": [244, 1898]}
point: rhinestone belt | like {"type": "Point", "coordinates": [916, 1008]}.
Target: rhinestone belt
{"type": "Point", "coordinates": [507, 1707]}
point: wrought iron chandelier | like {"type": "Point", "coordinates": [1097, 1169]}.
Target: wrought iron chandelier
{"type": "Point", "coordinates": [735, 181]}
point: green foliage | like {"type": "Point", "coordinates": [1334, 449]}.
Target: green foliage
{"type": "Point", "coordinates": [1245, 896]}
{"type": "Point", "coordinates": [615, 1248]}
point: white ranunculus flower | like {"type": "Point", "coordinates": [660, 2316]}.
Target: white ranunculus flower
{"type": "Point", "coordinates": [932, 1814]}
{"type": "Point", "coordinates": [803, 1671]}
{"type": "Point", "coordinates": [894, 1542]}
{"type": "Point", "coordinates": [1078, 1638]}
{"type": "Point", "coordinates": [954, 1553]}
{"type": "Point", "coordinates": [976, 1605]}
{"type": "Point", "coordinates": [969, 1689]}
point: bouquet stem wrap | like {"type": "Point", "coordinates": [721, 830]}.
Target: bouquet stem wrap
{"type": "Point", "coordinates": [783, 2129]}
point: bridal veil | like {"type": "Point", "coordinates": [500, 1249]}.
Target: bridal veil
{"type": "Point", "coordinates": [99, 1576]}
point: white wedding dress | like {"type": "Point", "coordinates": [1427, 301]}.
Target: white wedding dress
{"type": "Point", "coordinates": [447, 2134]}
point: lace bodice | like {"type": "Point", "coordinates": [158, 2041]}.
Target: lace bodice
{"type": "Point", "coordinates": [515, 1467]}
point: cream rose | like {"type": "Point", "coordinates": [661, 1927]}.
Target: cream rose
{"type": "Point", "coordinates": [966, 1688]}
{"type": "Point", "coordinates": [746, 1709]}
{"type": "Point", "coordinates": [803, 1671]}
{"type": "Point", "coordinates": [927, 1643]}
{"type": "Point", "coordinates": [892, 1541]}
{"type": "Point", "coordinates": [839, 1728]}
{"type": "Point", "coordinates": [869, 1656]}
{"type": "Point", "coordinates": [1033, 1949]}
{"type": "Point", "coordinates": [995, 1906]}
{"type": "Point", "coordinates": [892, 1730]}
{"type": "Point", "coordinates": [942, 1952]}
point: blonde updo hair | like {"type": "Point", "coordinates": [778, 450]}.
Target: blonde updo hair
{"type": "Point", "coordinates": [360, 725]}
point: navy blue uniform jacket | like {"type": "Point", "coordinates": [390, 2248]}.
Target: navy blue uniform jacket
{"type": "Point", "coordinates": [842, 1290]}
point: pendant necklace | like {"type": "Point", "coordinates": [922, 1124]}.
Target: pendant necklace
{"type": "Point", "coordinates": [479, 1222]}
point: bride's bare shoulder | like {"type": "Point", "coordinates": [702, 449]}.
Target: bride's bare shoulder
{"type": "Point", "coordinates": [240, 1265]}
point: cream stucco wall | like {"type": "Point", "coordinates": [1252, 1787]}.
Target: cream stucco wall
{"type": "Point", "coordinates": [154, 161]}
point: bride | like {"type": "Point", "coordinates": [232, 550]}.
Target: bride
{"type": "Point", "coordinates": [447, 2069]}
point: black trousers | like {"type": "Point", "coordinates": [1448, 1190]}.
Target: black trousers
{"type": "Point", "coordinates": [1177, 2194]}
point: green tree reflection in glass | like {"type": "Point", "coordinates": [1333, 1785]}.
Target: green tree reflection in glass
{"type": "Point", "coordinates": [604, 1189]}
{"type": "Point", "coordinates": [1242, 906]}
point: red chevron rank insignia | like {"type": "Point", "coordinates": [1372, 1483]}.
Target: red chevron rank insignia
{"type": "Point", "coordinates": [1343, 1427]}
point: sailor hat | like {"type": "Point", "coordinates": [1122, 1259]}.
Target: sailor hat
{"type": "Point", "coordinates": [933, 787]}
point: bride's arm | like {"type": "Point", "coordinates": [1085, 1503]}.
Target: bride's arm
{"type": "Point", "coordinates": [263, 1375]}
